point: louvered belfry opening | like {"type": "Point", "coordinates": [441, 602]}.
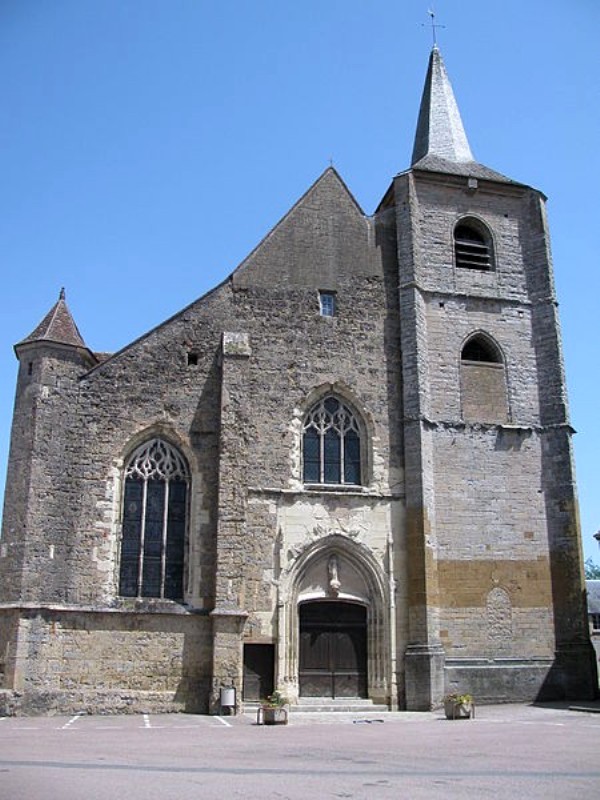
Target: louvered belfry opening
{"type": "Point", "coordinates": [472, 247]}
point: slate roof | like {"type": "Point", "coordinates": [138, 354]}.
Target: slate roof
{"type": "Point", "coordinates": [440, 130]}
{"type": "Point", "coordinates": [57, 326]}
{"type": "Point", "coordinates": [470, 169]}
{"type": "Point", "coordinates": [441, 144]}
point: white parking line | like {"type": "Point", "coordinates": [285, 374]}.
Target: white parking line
{"type": "Point", "coordinates": [147, 721]}
{"type": "Point", "coordinates": [224, 721]}
{"type": "Point", "coordinates": [70, 722]}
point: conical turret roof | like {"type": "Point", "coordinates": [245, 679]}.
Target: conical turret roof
{"type": "Point", "coordinates": [57, 326]}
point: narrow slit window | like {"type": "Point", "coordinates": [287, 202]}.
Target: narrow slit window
{"type": "Point", "coordinates": [327, 304]}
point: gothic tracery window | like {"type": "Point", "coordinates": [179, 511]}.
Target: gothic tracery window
{"type": "Point", "coordinates": [154, 522]}
{"type": "Point", "coordinates": [331, 444]}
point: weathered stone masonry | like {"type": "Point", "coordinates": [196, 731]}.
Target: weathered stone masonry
{"type": "Point", "coordinates": [458, 541]}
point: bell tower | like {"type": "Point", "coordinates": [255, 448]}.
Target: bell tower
{"type": "Point", "coordinates": [495, 595]}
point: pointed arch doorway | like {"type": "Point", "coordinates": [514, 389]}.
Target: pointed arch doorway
{"type": "Point", "coordinates": [334, 623]}
{"type": "Point", "coordinates": [333, 649]}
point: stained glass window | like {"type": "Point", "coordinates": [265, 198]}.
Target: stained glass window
{"type": "Point", "coordinates": [154, 522]}
{"type": "Point", "coordinates": [331, 444]}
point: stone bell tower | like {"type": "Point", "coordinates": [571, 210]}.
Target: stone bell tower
{"type": "Point", "coordinates": [495, 600]}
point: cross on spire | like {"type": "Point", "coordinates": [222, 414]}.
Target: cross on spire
{"type": "Point", "coordinates": [433, 26]}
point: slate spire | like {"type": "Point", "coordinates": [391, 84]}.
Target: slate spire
{"type": "Point", "coordinates": [57, 326]}
{"type": "Point", "coordinates": [440, 130]}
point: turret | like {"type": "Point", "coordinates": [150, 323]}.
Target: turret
{"type": "Point", "coordinates": [51, 359]}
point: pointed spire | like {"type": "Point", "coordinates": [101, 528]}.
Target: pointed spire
{"type": "Point", "coordinates": [57, 326]}
{"type": "Point", "coordinates": [440, 130]}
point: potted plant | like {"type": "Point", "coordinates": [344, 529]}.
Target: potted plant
{"type": "Point", "coordinates": [459, 706]}
{"type": "Point", "coordinates": [274, 709]}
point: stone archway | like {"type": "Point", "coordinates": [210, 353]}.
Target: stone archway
{"type": "Point", "coordinates": [338, 574]}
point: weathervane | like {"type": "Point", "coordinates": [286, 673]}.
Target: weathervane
{"type": "Point", "coordinates": [433, 26]}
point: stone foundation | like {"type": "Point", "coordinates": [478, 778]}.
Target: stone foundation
{"type": "Point", "coordinates": [65, 661]}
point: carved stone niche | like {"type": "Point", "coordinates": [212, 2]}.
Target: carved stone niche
{"type": "Point", "coordinates": [333, 576]}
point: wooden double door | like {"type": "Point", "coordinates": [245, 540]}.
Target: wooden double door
{"type": "Point", "coordinates": [333, 649]}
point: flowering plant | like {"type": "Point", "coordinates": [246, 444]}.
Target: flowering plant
{"type": "Point", "coordinates": [275, 700]}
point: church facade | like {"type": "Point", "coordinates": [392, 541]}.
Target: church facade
{"type": "Point", "coordinates": [345, 472]}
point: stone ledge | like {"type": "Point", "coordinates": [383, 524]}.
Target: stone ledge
{"type": "Point", "coordinates": [71, 608]}
{"type": "Point", "coordinates": [314, 490]}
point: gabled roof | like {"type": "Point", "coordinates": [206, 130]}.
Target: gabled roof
{"type": "Point", "coordinates": [321, 239]}
{"type": "Point", "coordinates": [57, 326]}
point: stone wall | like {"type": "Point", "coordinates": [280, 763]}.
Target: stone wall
{"type": "Point", "coordinates": [236, 416]}
{"type": "Point", "coordinates": [462, 539]}
{"type": "Point", "coordinates": [76, 661]}
{"type": "Point", "coordinates": [482, 510]}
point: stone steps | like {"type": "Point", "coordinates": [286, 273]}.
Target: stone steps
{"type": "Point", "coordinates": [326, 705]}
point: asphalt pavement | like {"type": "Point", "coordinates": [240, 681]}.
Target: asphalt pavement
{"type": "Point", "coordinates": [513, 751]}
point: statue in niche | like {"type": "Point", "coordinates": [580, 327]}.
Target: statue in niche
{"type": "Point", "coordinates": [334, 581]}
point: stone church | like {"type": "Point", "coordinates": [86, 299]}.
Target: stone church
{"type": "Point", "coordinates": [344, 473]}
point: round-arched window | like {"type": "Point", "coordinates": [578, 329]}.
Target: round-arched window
{"type": "Point", "coordinates": [473, 245]}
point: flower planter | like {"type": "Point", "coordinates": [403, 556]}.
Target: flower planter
{"type": "Point", "coordinates": [274, 716]}
{"type": "Point", "coordinates": [459, 710]}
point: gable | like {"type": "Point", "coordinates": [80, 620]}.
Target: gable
{"type": "Point", "coordinates": [322, 240]}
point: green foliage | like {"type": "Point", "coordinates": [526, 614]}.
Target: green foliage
{"type": "Point", "coordinates": [592, 571]}
{"type": "Point", "coordinates": [458, 699]}
{"type": "Point", "coordinates": [275, 700]}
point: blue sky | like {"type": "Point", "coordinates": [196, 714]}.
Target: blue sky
{"type": "Point", "coordinates": [146, 146]}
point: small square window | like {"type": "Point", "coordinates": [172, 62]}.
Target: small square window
{"type": "Point", "coordinates": [192, 359]}
{"type": "Point", "coordinates": [327, 304]}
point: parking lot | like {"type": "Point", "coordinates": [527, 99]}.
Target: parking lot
{"type": "Point", "coordinates": [505, 752]}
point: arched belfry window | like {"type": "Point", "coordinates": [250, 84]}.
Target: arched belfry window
{"type": "Point", "coordinates": [331, 444]}
{"type": "Point", "coordinates": [154, 522]}
{"type": "Point", "coordinates": [473, 248]}
{"type": "Point", "coordinates": [483, 380]}
{"type": "Point", "coordinates": [481, 349]}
